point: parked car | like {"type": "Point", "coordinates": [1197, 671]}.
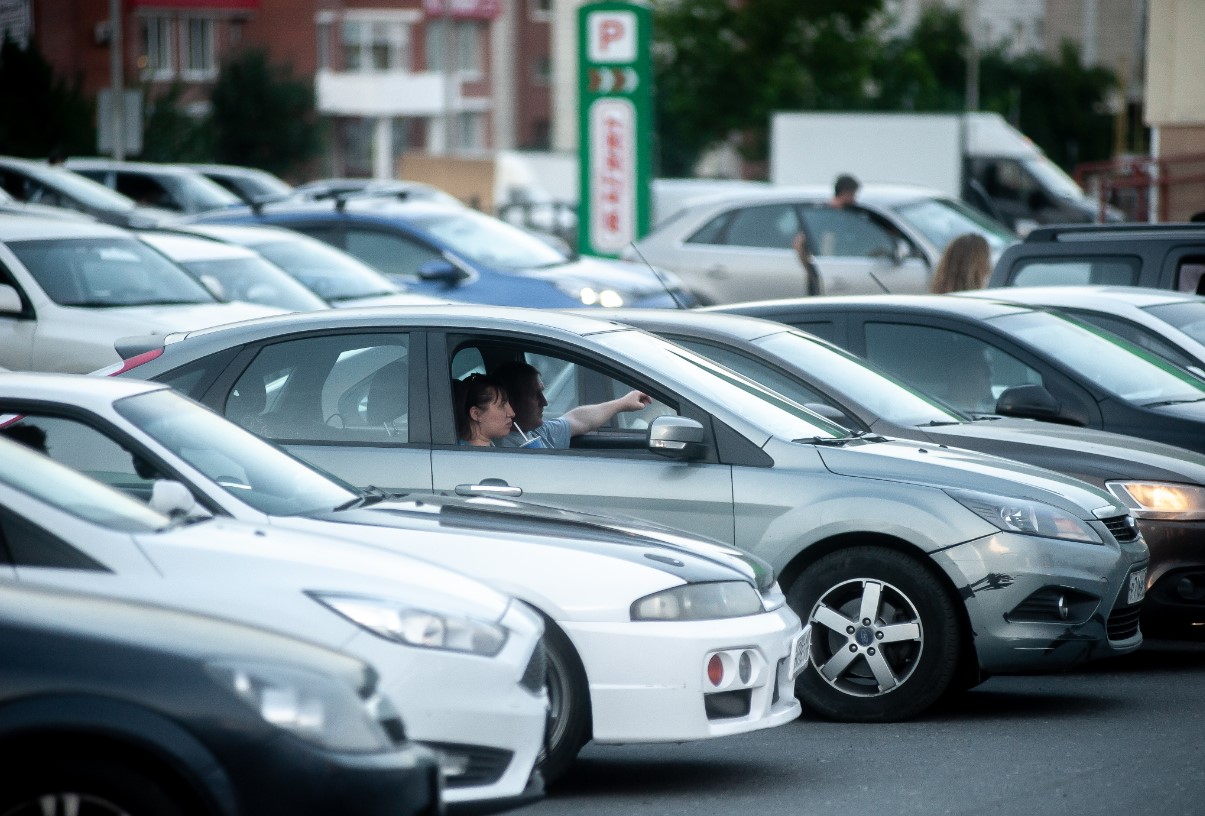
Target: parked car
{"type": "Point", "coordinates": [448, 648]}
{"type": "Point", "coordinates": [181, 190]}
{"type": "Point", "coordinates": [250, 184]}
{"type": "Point", "coordinates": [960, 564]}
{"type": "Point", "coordinates": [234, 272]}
{"type": "Point", "coordinates": [456, 253]}
{"type": "Point", "coordinates": [738, 246]}
{"type": "Point", "coordinates": [1163, 486]}
{"type": "Point", "coordinates": [1159, 256]}
{"type": "Point", "coordinates": [990, 357]}
{"type": "Point", "coordinates": [11, 206]}
{"type": "Point", "coordinates": [68, 290]}
{"type": "Point", "coordinates": [40, 183]}
{"type": "Point", "coordinates": [1165, 322]}
{"type": "Point", "coordinates": [338, 278]}
{"type": "Point", "coordinates": [111, 707]}
{"type": "Point", "coordinates": [329, 188]}
{"type": "Point", "coordinates": [583, 574]}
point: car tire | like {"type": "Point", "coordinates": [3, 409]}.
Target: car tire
{"type": "Point", "coordinates": [884, 666]}
{"type": "Point", "coordinates": [87, 786]}
{"type": "Point", "coordinates": [569, 720]}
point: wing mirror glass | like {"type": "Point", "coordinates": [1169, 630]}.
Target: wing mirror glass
{"type": "Point", "coordinates": [676, 437]}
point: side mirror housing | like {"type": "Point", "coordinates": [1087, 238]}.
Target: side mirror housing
{"type": "Point", "coordinates": [441, 270]}
{"type": "Point", "coordinates": [173, 499]}
{"type": "Point", "coordinates": [10, 300]}
{"type": "Point", "coordinates": [676, 437]}
{"type": "Point", "coordinates": [1028, 402]}
{"type": "Point", "coordinates": [901, 251]}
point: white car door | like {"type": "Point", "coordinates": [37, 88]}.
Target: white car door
{"type": "Point", "coordinates": [856, 253]}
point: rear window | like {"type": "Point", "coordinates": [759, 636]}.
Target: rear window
{"type": "Point", "coordinates": [1076, 271]}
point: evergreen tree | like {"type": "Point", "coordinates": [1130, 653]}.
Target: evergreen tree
{"type": "Point", "coordinates": [39, 112]}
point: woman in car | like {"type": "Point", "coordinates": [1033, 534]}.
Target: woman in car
{"type": "Point", "coordinates": [483, 412]}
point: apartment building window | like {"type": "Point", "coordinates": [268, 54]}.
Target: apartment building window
{"type": "Point", "coordinates": [464, 38]}
{"type": "Point", "coordinates": [198, 60]}
{"type": "Point", "coordinates": [156, 61]}
{"type": "Point", "coordinates": [470, 131]}
{"type": "Point", "coordinates": [540, 10]}
{"type": "Point", "coordinates": [375, 45]}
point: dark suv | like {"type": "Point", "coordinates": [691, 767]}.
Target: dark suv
{"type": "Point", "coordinates": [109, 707]}
{"type": "Point", "coordinates": [1160, 256]}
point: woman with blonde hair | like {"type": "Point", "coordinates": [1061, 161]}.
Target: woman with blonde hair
{"type": "Point", "coordinates": [965, 264]}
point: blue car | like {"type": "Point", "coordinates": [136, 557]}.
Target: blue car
{"type": "Point", "coordinates": [457, 253]}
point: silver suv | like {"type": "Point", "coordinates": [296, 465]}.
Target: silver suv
{"type": "Point", "coordinates": [921, 568]}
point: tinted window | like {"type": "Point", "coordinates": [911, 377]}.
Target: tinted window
{"type": "Point", "coordinates": [769, 227]}
{"type": "Point", "coordinates": [388, 252]}
{"type": "Point", "coordinates": [1189, 276]}
{"type": "Point", "coordinates": [1116, 271]}
{"type": "Point", "coordinates": [343, 388]}
{"type": "Point", "coordinates": [712, 232]}
{"type": "Point", "coordinates": [846, 232]}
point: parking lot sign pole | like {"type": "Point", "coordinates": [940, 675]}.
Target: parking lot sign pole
{"type": "Point", "coordinates": [615, 124]}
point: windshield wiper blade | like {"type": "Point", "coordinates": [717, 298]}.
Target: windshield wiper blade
{"type": "Point", "coordinates": [1162, 403]}
{"type": "Point", "coordinates": [830, 441]}
{"type": "Point", "coordinates": [368, 496]}
{"type": "Point", "coordinates": [933, 423]}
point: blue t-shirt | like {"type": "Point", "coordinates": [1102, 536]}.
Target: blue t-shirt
{"type": "Point", "coordinates": [554, 434]}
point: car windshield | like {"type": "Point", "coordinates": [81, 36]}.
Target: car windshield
{"type": "Point", "coordinates": [489, 241]}
{"type": "Point", "coordinates": [254, 280]}
{"type": "Point", "coordinates": [245, 466]}
{"type": "Point", "coordinates": [84, 190]}
{"type": "Point", "coordinates": [1188, 317]}
{"type": "Point", "coordinates": [884, 396]}
{"type": "Point", "coordinates": [74, 493]}
{"type": "Point", "coordinates": [739, 396]}
{"type": "Point", "coordinates": [1114, 364]}
{"type": "Point", "coordinates": [200, 194]}
{"type": "Point", "coordinates": [1052, 177]}
{"type": "Point", "coordinates": [941, 220]}
{"type": "Point", "coordinates": [332, 274]}
{"type": "Point", "coordinates": [106, 272]}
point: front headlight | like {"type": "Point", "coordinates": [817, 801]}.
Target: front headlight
{"type": "Point", "coordinates": [1026, 517]}
{"type": "Point", "coordinates": [396, 621]}
{"type": "Point", "coordinates": [592, 295]}
{"type": "Point", "coordinates": [723, 599]}
{"type": "Point", "coordinates": [1162, 500]}
{"type": "Point", "coordinates": [316, 708]}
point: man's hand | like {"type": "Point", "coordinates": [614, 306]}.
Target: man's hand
{"type": "Point", "coordinates": [634, 401]}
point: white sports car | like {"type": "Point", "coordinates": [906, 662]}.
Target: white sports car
{"type": "Point", "coordinates": [652, 636]}
{"type": "Point", "coordinates": [448, 648]}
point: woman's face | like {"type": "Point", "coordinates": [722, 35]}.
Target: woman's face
{"type": "Point", "coordinates": [495, 420]}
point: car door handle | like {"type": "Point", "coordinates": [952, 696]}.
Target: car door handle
{"type": "Point", "coordinates": [489, 487]}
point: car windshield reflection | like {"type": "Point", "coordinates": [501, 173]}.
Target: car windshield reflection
{"type": "Point", "coordinates": [489, 241]}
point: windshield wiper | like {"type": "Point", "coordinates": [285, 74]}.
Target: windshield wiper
{"type": "Point", "coordinates": [1171, 402]}
{"type": "Point", "coordinates": [368, 496]}
{"type": "Point", "coordinates": [830, 441]}
{"type": "Point", "coordinates": [933, 423]}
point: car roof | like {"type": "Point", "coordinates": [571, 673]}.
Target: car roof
{"type": "Point", "coordinates": [185, 248]}
{"type": "Point", "coordinates": [1099, 297]}
{"type": "Point", "coordinates": [243, 234]}
{"type": "Point", "coordinates": [140, 167]}
{"type": "Point", "coordinates": [875, 194]}
{"type": "Point", "coordinates": [1074, 233]}
{"type": "Point", "coordinates": [75, 389]}
{"type": "Point", "coordinates": [980, 309]}
{"type": "Point", "coordinates": [32, 228]}
{"type": "Point", "coordinates": [741, 327]}
{"type": "Point", "coordinates": [382, 208]}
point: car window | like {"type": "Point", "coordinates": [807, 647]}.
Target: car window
{"type": "Point", "coordinates": [1188, 317]}
{"type": "Point", "coordinates": [25, 544]}
{"type": "Point", "coordinates": [389, 252]}
{"type": "Point", "coordinates": [1189, 275]}
{"type": "Point", "coordinates": [846, 232]}
{"type": "Point", "coordinates": [712, 232]}
{"type": "Point", "coordinates": [1113, 271]}
{"type": "Point", "coordinates": [772, 226]}
{"type": "Point", "coordinates": [146, 191]}
{"type": "Point", "coordinates": [1138, 335]}
{"type": "Point", "coordinates": [342, 388]}
{"type": "Point", "coordinates": [956, 368]}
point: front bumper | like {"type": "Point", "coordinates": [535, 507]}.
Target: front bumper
{"type": "Point", "coordinates": [649, 683]}
{"type": "Point", "coordinates": [484, 717]}
{"type": "Point", "coordinates": [1175, 604]}
{"type": "Point", "coordinates": [1009, 583]}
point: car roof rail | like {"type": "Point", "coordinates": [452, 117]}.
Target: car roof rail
{"type": "Point", "coordinates": [1050, 234]}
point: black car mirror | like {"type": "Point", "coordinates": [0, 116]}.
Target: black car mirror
{"type": "Point", "coordinates": [676, 437]}
{"type": "Point", "coordinates": [1028, 402]}
{"type": "Point", "coordinates": [441, 270]}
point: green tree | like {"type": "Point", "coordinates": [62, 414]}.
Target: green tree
{"type": "Point", "coordinates": [722, 67]}
{"type": "Point", "coordinates": [262, 116]}
{"type": "Point", "coordinates": [39, 112]}
{"type": "Point", "coordinates": [171, 134]}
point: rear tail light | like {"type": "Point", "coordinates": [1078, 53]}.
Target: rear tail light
{"type": "Point", "coordinates": [715, 670]}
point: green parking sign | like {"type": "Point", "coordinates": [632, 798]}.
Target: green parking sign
{"type": "Point", "coordinates": [615, 124]}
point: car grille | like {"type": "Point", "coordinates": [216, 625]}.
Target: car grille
{"type": "Point", "coordinates": [1123, 622]}
{"type": "Point", "coordinates": [535, 675]}
{"type": "Point", "coordinates": [1122, 528]}
{"type": "Point", "coordinates": [484, 766]}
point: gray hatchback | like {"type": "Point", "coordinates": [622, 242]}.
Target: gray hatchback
{"type": "Point", "coordinates": [921, 568]}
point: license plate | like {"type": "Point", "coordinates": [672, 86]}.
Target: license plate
{"type": "Point", "coordinates": [1137, 589]}
{"type": "Point", "coordinates": [801, 651]}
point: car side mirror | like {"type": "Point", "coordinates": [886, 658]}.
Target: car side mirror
{"type": "Point", "coordinates": [901, 252]}
{"type": "Point", "coordinates": [174, 500]}
{"type": "Point", "coordinates": [1028, 402]}
{"type": "Point", "coordinates": [676, 437]}
{"type": "Point", "coordinates": [10, 300]}
{"type": "Point", "coordinates": [214, 287]}
{"type": "Point", "coordinates": [442, 271]}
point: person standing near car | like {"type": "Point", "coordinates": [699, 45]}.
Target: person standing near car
{"type": "Point", "coordinates": [526, 391]}
{"type": "Point", "coordinates": [845, 191]}
{"type": "Point", "coordinates": [811, 275]}
{"type": "Point", "coordinates": [966, 263]}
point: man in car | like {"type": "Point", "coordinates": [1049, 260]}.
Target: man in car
{"type": "Point", "coordinates": [525, 390]}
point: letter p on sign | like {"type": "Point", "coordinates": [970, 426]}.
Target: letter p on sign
{"type": "Point", "coordinates": [612, 36]}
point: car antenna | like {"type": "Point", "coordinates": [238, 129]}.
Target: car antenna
{"type": "Point", "coordinates": [875, 278]}
{"type": "Point", "coordinates": [660, 276]}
